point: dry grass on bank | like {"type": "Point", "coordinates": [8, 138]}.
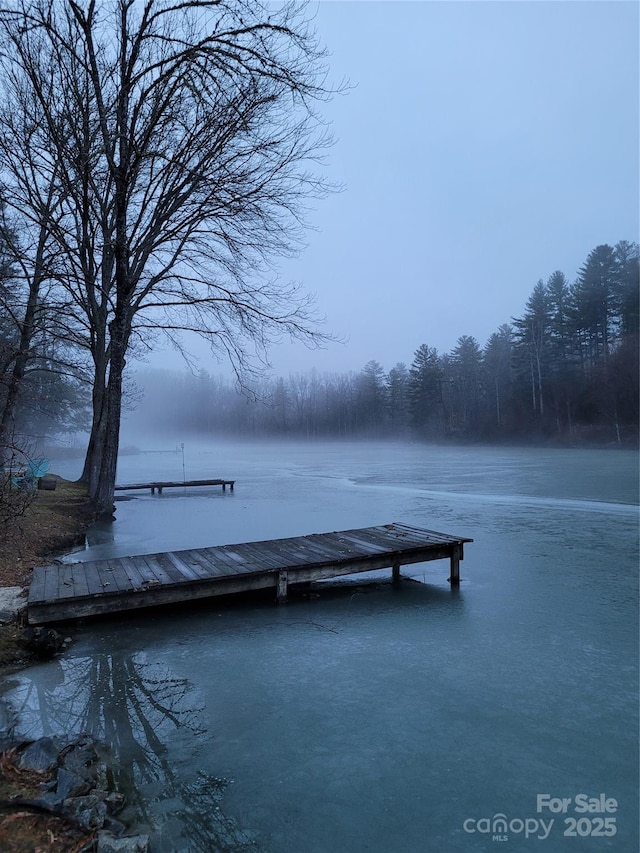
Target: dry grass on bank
{"type": "Point", "coordinates": [55, 521]}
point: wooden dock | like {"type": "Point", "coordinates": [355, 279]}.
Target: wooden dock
{"type": "Point", "coordinates": [69, 591]}
{"type": "Point", "coordinates": [166, 484]}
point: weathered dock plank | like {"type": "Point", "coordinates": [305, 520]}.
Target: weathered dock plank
{"type": "Point", "coordinates": [163, 572]}
{"type": "Point", "coordinates": [51, 581]}
{"type": "Point", "coordinates": [200, 567]}
{"type": "Point", "coordinates": [131, 572]}
{"type": "Point", "coordinates": [119, 575]}
{"type": "Point", "coordinates": [234, 560]}
{"type": "Point", "coordinates": [256, 558]}
{"type": "Point", "coordinates": [65, 582]}
{"type": "Point", "coordinates": [68, 591]}
{"type": "Point", "coordinates": [221, 565]}
{"type": "Point", "coordinates": [105, 576]}
{"type": "Point", "coordinates": [181, 563]}
{"type": "Point", "coordinates": [80, 585]}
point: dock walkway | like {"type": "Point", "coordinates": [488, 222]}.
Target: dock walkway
{"type": "Point", "coordinates": [174, 484]}
{"type": "Point", "coordinates": [72, 590]}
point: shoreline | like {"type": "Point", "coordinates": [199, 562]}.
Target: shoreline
{"type": "Point", "coordinates": [52, 524]}
{"type": "Point", "coordinates": [55, 792]}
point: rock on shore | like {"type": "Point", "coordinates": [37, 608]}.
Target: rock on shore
{"type": "Point", "coordinates": [75, 789]}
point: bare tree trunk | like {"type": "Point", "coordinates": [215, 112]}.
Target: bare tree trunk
{"type": "Point", "coordinates": [93, 458]}
{"type": "Point", "coordinates": [103, 492]}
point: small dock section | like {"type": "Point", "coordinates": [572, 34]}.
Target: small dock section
{"type": "Point", "coordinates": [69, 591]}
{"type": "Point", "coordinates": [159, 485]}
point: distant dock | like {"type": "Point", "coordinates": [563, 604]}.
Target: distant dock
{"type": "Point", "coordinates": [69, 591]}
{"type": "Point", "coordinates": [159, 485]}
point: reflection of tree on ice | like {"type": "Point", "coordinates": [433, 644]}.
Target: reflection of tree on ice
{"type": "Point", "coordinates": [135, 708]}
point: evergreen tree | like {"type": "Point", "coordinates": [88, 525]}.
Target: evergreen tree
{"type": "Point", "coordinates": [629, 286]}
{"type": "Point", "coordinates": [426, 405]}
{"type": "Point", "coordinates": [498, 369]}
{"type": "Point", "coordinates": [533, 335]}
{"type": "Point", "coordinates": [372, 398]}
{"type": "Point", "coordinates": [597, 298]}
{"type": "Point", "coordinates": [397, 385]}
{"type": "Point", "coordinates": [464, 368]}
{"type": "Point", "coordinates": [563, 364]}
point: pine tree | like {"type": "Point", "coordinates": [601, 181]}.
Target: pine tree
{"type": "Point", "coordinates": [426, 405]}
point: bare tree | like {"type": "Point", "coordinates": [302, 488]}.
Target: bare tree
{"type": "Point", "coordinates": [189, 143]}
{"type": "Point", "coordinates": [25, 310]}
{"type": "Point", "coordinates": [36, 201]}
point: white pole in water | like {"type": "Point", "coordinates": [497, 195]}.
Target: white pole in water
{"type": "Point", "coordinates": [184, 478]}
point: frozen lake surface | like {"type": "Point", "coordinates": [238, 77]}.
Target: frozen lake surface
{"type": "Point", "coordinates": [369, 718]}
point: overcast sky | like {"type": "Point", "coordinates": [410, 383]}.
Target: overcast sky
{"type": "Point", "coordinates": [484, 145]}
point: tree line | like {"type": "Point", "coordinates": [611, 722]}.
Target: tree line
{"type": "Point", "coordinates": [155, 158]}
{"type": "Point", "coordinates": [566, 369]}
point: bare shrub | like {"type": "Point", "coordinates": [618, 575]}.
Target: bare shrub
{"type": "Point", "coordinates": [16, 492]}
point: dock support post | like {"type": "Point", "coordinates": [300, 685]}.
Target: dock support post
{"type": "Point", "coordinates": [456, 556]}
{"type": "Point", "coordinates": [395, 577]}
{"type": "Point", "coordinates": [231, 486]}
{"type": "Point", "coordinates": [282, 587]}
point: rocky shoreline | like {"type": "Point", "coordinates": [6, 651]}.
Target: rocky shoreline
{"type": "Point", "coordinates": [60, 781]}
{"type": "Point", "coordinates": [66, 779]}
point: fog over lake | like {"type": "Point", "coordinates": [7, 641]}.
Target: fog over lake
{"type": "Point", "coordinates": [365, 717]}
